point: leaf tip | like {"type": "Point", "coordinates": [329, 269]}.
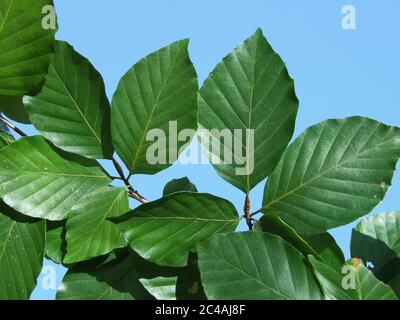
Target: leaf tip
{"type": "Point", "coordinates": [183, 42]}
{"type": "Point", "coordinates": [259, 32]}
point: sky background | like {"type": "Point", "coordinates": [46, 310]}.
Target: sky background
{"type": "Point", "coordinates": [338, 73]}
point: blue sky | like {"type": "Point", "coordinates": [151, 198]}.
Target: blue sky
{"type": "Point", "coordinates": [338, 73]}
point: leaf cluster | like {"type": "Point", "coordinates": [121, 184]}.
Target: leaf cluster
{"type": "Point", "coordinates": [58, 202]}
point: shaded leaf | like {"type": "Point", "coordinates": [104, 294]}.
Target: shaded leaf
{"type": "Point", "coordinates": [363, 287]}
{"type": "Point", "coordinates": [161, 288]}
{"type": "Point", "coordinates": [178, 185]}
{"type": "Point", "coordinates": [14, 109]}
{"type": "Point", "coordinates": [390, 274]}
{"type": "Point", "coordinates": [22, 243]}
{"type": "Point", "coordinates": [157, 90]}
{"type": "Point", "coordinates": [321, 246]}
{"type": "Point", "coordinates": [249, 89]}
{"type": "Point", "coordinates": [4, 128]}
{"type": "Point", "coordinates": [113, 280]}
{"type": "Point", "coordinates": [89, 233]}
{"type": "Point", "coordinates": [41, 181]}
{"type": "Point", "coordinates": [72, 109]}
{"type": "Point", "coordinates": [165, 230]}
{"type": "Point", "coordinates": [5, 139]}
{"type": "Point", "coordinates": [376, 239]}
{"type": "Point", "coordinates": [25, 46]}
{"type": "Point", "coordinates": [257, 226]}
{"type": "Point", "coordinates": [56, 245]}
{"type": "Point", "coordinates": [334, 173]}
{"type": "Point", "coordinates": [327, 248]}
{"type": "Point", "coordinates": [121, 277]}
{"type": "Point", "coordinates": [168, 283]}
{"type": "Point", "coordinates": [254, 266]}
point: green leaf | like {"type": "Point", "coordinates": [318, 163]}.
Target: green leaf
{"type": "Point", "coordinates": [179, 185]}
{"type": "Point", "coordinates": [257, 226]}
{"type": "Point", "coordinates": [161, 288]}
{"type": "Point", "coordinates": [166, 283]}
{"type": "Point", "coordinates": [89, 233]}
{"type": "Point", "coordinates": [390, 274]}
{"type": "Point", "coordinates": [25, 46]}
{"type": "Point", "coordinates": [4, 128]}
{"type": "Point", "coordinates": [72, 109]}
{"type": "Point", "coordinates": [56, 245]}
{"type": "Point", "coordinates": [164, 231]}
{"type": "Point", "coordinates": [327, 248]}
{"type": "Point", "coordinates": [22, 243]}
{"type": "Point", "coordinates": [255, 266]}
{"type": "Point", "coordinates": [376, 239]}
{"type": "Point", "coordinates": [157, 90]}
{"type": "Point", "coordinates": [395, 285]}
{"type": "Point", "coordinates": [356, 283]}
{"type": "Point", "coordinates": [14, 109]}
{"type": "Point", "coordinates": [41, 181]}
{"type": "Point", "coordinates": [250, 89]}
{"type": "Point", "coordinates": [126, 276]}
{"type": "Point", "coordinates": [322, 246]}
{"type": "Point", "coordinates": [5, 139]}
{"type": "Point", "coordinates": [114, 280]}
{"type": "Point", "coordinates": [334, 173]}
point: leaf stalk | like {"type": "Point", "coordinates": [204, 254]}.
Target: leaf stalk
{"type": "Point", "coordinates": [246, 210]}
{"type": "Point", "coordinates": [134, 194]}
{"type": "Point", "coordinates": [13, 127]}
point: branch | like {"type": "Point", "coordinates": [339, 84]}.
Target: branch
{"type": "Point", "coordinates": [246, 210]}
{"type": "Point", "coordinates": [256, 212]}
{"type": "Point", "coordinates": [131, 192]}
{"type": "Point", "coordinates": [135, 195]}
{"type": "Point", "coordinates": [13, 127]}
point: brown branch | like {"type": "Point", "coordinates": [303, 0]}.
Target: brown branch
{"type": "Point", "coordinates": [135, 195]}
{"type": "Point", "coordinates": [131, 192]}
{"type": "Point", "coordinates": [256, 212]}
{"type": "Point", "coordinates": [13, 127]}
{"type": "Point", "coordinates": [246, 210]}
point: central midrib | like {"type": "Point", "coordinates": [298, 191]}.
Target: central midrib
{"type": "Point", "coordinates": [76, 106]}
{"type": "Point", "coordinates": [56, 174]}
{"type": "Point", "coordinates": [100, 222]}
{"type": "Point", "coordinates": [250, 115]}
{"type": "Point", "coordinates": [250, 277]}
{"type": "Point", "coordinates": [6, 16]}
{"type": "Point", "coordinates": [183, 218]}
{"type": "Point", "coordinates": [7, 239]}
{"type": "Point", "coordinates": [153, 110]}
{"type": "Point", "coordinates": [319, 176]}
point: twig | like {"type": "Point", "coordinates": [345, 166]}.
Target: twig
{"type": "Point", "coordinates": [246, 210]}
{"type": "Point", "coordinates": [135, 195]}
{"type": "Point", "coordinates": [131, 192]}
{"type": "Point", "coordinates": [13, 127]}
{"type": "Point", "coordinates": [255, 213]}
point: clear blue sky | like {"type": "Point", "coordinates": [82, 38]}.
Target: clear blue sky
{"type": "Point", "coordinates": [338, 73]}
